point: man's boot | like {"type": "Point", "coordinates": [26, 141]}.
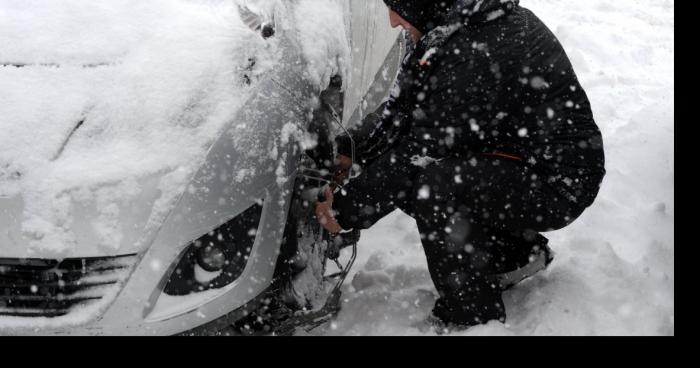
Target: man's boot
{"type": "Point", "coordinates": [516, 266]}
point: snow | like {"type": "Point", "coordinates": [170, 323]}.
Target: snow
{"type": "Point", "coordinates": [112, 93]}
{"type": "Point", "coordinates": [614, 269]}
{"type": "Point", "coordinates": [328, 55]}
{"type": "Point", "coordinates": [154, 83]}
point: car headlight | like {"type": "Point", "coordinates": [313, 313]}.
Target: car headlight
{"type": "Point", "coordinates": [216, 259]}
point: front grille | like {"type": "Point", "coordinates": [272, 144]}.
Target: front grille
{"type": "Point", "coordinates": [52, 288]}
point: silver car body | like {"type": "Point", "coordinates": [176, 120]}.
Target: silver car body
{"type": "Point", "coordinates": [137, 305]}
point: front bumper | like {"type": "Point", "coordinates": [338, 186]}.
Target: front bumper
{"type": "Point", "coordinates": [131, 312]}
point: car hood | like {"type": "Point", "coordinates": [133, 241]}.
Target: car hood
{"type": "Point", "coordinates": [100, 137]}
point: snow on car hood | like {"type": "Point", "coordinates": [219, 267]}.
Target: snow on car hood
{"type": "Point", "coordinates": [102, 100]}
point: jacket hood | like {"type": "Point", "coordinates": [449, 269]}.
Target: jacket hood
{"type": "Point", "coordinates": [427, 15]}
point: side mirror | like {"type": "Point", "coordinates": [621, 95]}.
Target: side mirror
{"type": "Point", "coordinates": [257, 23]}
{"type": "Point", "coordinates": [268, 30]}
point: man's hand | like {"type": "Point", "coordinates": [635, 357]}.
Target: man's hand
{"type": "Point", "coordinates": [324, 214]}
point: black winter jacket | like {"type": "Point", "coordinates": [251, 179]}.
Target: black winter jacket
{"type": "Point", "coordinates": [485, 86]}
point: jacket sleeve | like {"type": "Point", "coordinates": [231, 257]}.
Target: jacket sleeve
{"type": "Point", "coordinates": [375, 135]}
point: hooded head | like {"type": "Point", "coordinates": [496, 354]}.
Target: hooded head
{"type": "Point", "coordinates": [426, 15]}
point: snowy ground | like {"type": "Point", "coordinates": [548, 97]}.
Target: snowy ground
{"type": "Point", "coordinates": [614, 271]}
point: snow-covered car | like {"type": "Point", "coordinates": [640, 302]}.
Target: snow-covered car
{"type": "Point", "coordinates": [151, 154]}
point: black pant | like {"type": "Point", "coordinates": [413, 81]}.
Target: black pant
{"type": "Point", "coordinates": [477, 215]}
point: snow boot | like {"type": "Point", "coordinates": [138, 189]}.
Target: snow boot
{"type": "Point", "coordinates": [539, 259]}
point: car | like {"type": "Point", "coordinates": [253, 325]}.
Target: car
{"type": "Point", "coordinates": [149, 234]}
